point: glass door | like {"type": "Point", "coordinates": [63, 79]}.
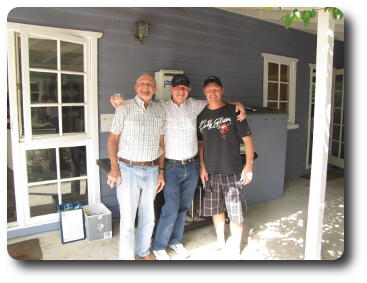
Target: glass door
{"type": "Point", "coordinates": [311, 110]}
{"type": "Point", "coordinates": [51, 135]}
{"type": "Point", "coordinates": [337, 129]}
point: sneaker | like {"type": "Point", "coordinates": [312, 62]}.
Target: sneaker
{"type": "Point", "coordinates": [180, 250]}
{"type": "Point", "coordinates": [161, 254]}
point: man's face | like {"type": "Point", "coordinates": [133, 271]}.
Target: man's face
{"type": "Point", "coordinates": [179, 93]}
{"type": "Point", "coordinates": [145, 87]}
{"type": "Point", "coordinates": [213, 92]}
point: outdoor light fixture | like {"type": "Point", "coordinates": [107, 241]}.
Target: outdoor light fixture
{"type": "Point", "coordinates": [141, 31]}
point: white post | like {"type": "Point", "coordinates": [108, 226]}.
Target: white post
{"type": "Point", "coordinates": [320, 145]}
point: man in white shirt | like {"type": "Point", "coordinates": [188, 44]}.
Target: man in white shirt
{"type": "Point", "coordinates": [181, 166]}
{"type": "Point", "coordinates": [135, 148]}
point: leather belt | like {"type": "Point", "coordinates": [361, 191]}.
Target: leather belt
{"type": "Point", "coordinates": [140, 163]}
{"type": "Point", "coordinates": [182, 162]}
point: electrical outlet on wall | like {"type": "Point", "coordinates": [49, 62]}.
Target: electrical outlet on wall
{"type": "Point", "coordinates": [106, 122]}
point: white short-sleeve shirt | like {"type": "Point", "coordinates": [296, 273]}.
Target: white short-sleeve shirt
{"type": "Point", "coordinates": [180, 128]}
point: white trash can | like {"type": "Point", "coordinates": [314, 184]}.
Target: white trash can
{"type": "Point", "coordinates": [98, 222]}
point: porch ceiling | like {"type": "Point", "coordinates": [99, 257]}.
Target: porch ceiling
{"type": "Point", "coordinates": [274, 16]}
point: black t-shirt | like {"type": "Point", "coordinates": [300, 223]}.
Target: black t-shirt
{"type": "Point", "coordinates": [222, 134]}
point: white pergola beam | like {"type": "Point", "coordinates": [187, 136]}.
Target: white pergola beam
{"type": "Point", "coordinates": [321, 132]}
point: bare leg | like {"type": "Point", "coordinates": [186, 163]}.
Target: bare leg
{"type": "Point", "coordinates": [236, 237]}
{"type": "Point", "coordinates": [219, 224]}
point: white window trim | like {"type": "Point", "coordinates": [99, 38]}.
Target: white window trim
{"type": "Point", "coordinates": [23, 219]}
{"type": "Point", "coordinates": [292, 63]}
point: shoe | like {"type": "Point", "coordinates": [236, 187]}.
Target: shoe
{"type": "Point", "coordinates": [148, 257]}
{"type": "Point", "coordinates": [161, 255]}
{"type": "Point", "coordinates": [180, 250]}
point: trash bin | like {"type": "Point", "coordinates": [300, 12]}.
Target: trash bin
{"type": "Point", "coordinates": [98, 222]}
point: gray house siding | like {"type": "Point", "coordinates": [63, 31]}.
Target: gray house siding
{"type": "Point", "coordinates": [200, 41]}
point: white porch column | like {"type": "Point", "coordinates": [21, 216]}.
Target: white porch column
{"type": "Point", "coordinates": [320, 146]}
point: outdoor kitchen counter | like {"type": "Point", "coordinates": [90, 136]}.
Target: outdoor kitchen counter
{"type": "Point", "coordinates": [269, 133]}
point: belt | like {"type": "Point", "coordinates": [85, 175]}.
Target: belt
{"type": "Point", "coordinates": [140, 163]}
{"type": "Point", "coordinates": [182, 162]}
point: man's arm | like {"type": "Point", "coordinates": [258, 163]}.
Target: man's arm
{"type": "Point", "coordinates": [247, 174]}
{"type": "Point", "coordinates": [161, 181]}
{"type": "Point", "coordinates": [239, 107]}
{"type": "Point", "coordinates": [114, 176]}
{"type": "Point", "coordinates": [203, 173]}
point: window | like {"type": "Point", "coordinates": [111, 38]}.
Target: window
{"type": "Point", "coordinates": [53, 104]}
{"type": "Point", "coordinates": [279, 85]}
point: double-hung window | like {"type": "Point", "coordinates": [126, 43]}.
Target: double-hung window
{"type": "Point", "coordinates": [279, 85]}
{"type": "Point", "coordinates": [54, 124]}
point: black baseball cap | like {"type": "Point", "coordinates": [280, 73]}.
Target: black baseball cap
{"type": "Point", "coordinates": [213, 79]}
{"type": "Point", "coordinates": [180, 79]}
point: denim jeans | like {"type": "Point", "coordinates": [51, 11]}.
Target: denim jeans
{"type": "Point", "coordinates": [181, 182]}
{"type": "Point", "coordinates": [137, 190]}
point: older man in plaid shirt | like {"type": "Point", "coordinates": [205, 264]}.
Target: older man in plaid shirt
{"type": "Point", "coordinates": [135, 148]}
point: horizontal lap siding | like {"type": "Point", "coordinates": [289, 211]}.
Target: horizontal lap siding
{"type": "Point", "coordinates": [200, 41]}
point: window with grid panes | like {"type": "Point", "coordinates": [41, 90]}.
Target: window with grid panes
{"type": "Point", "coordinates": [279, 79]}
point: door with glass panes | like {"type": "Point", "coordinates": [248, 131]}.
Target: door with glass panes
{"type": "Point", "coordinates": [336, 146]}
{"type": "Point", "coordinates": [337, 130]}
{"type": "Point", "coordinates": [52, 135]}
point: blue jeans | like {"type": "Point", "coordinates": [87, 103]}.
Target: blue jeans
{"type": "Point", "coordinates": [137, 190]}
{"type": "Point", "coordinates": [181, 182]}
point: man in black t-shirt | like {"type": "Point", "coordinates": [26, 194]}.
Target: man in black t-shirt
{"type": "Point", "coordinates": [221, 169]}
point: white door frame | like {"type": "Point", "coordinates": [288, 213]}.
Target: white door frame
{"type": "Point", "coordinates": [91, 118]}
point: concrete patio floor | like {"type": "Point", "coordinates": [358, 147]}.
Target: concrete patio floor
{"type": "Point", "coordinates": [275, 230]}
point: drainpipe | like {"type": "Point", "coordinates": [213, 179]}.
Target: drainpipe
{"type": "Point", "coordinates": [320, 145]}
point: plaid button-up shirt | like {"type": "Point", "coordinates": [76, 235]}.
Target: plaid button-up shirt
{"type": "Point", "coordinates": [139, 130]}
{"type": "Point", "coordinates": [180, 130]}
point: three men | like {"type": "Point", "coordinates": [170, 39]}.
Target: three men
{"type": "Point", "coordinates": [135, 148]}
{"type": "Point", "coordinates": [221, 169]}
{"type": "Point", "coordinates": [181, 166]}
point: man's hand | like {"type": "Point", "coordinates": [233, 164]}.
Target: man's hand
{"type": "Point", "coordinates": [114, 177]}
{"type": "Point", "coordinates": [116, 100]}
{"type": "Point", "coordinates": [246, 176]}
{"type": "Point", "coordinates": [203, 175]}
{"type": "Point", "coordinates": [160, 182]}
{"type": "Point", "coordinates": [240, 108]}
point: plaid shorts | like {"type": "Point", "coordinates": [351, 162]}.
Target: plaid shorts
{"type": "Point", "coordinates": [223, 193]}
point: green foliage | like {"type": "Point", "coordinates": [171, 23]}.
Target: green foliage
{"type": "Point", "coordinates": [336, 13]}
{"type": "Point", "coordinates": [306, 15]}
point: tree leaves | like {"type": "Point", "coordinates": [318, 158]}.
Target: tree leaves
{"type": "Point", "coordinates": [335, 12]}
{"type": "Point", "coordinates": [306, 15]}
